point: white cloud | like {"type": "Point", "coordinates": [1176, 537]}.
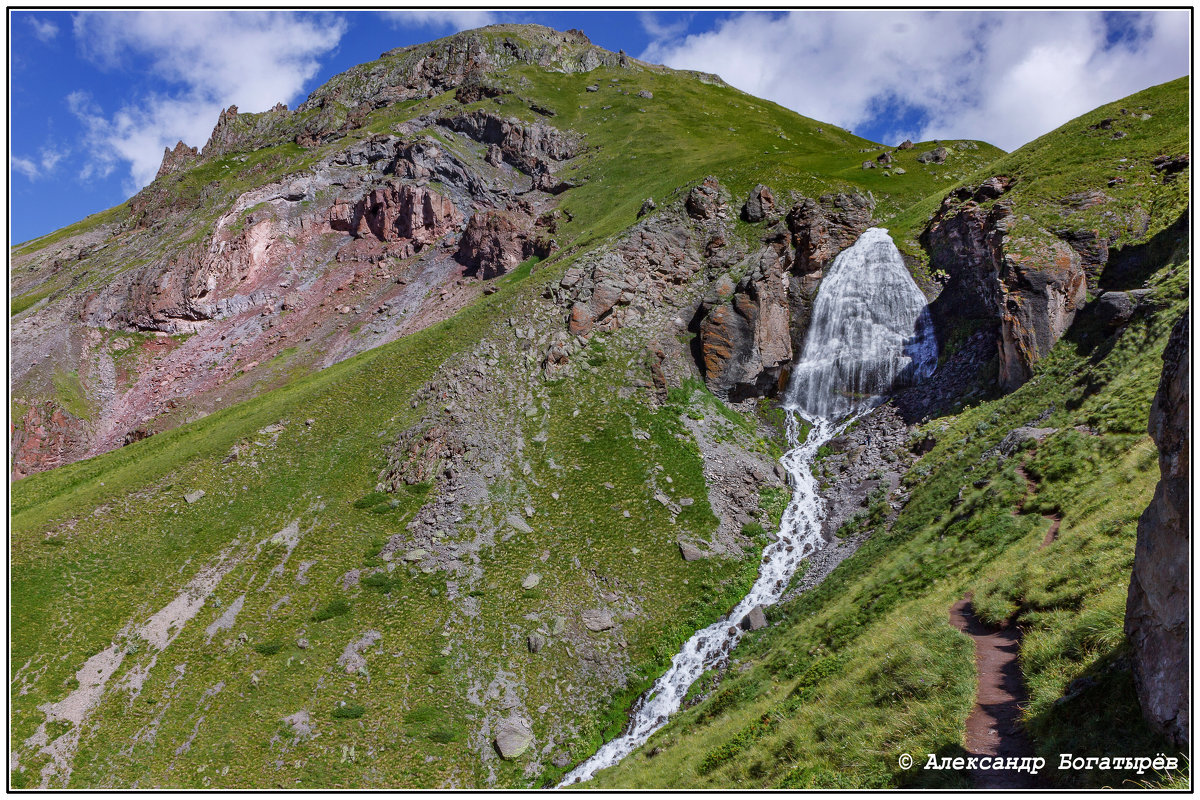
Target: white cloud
{"type": "Point", "coordinates": [1002, 76]}
{"type": "Point", "coordinates": [203, 60]}
{"type": "Point", "coordinates": [455, 19]}
{"type": "Point", "coordinates": [658, 30]}
{"type": "Point", "coordinates": [48, 158]}
{"type": "Point", "coordinates": [43, 29]}
{"type": "Point", "coordinates": [25, 166]}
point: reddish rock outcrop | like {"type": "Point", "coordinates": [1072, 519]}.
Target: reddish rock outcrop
{"type": "Point", "coordinates": [1029, 287]}
{"type": "Point", "coordinates": [177, 160]}
{"type": "Point", "coordinates": [704, 202]}
{"type": "Point", "coordinates": [497, 241]}
{"type": "Point", "coordinates": [759, 204]}
{"type": "Point", "coordinates": [1157, 613]}
{"type": "Point", "coordinates": [749, 334]}
{"type": "Point", "coordinates": [823, 228]}
{"type": "Point", "coordinates": [47, 437]}
{"type": "Point", "coordinates": [745, 334]}
{"type": "Point", "coordinates": [397, 212]}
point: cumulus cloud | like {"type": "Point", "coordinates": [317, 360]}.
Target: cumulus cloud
{"type": "Point", "coordinates": [206, 60]}
{"type": "Point", "coordinates": [43, 29]}
{"type": "Point", "coordinates": [1002, 76]}
{"type": "Point", "coordinates": [47, 159]}
{"type": "Point", "coordinates": [439, 18]}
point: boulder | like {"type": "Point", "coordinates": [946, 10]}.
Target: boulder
{"type": "Point", "coordinates": [531, 580]}
{"type": "Point", "coordinates": [1114, 309]}
{"type": "Point", "coordinates": [936, 156]}
{"type": "Point", "coordinates": [192, 497]}
{"type": "Point", "coordinates": [1157, 610]}
{"type": "Point", "coordinates": [755, 620]}
{"type": "Point", "coordinates": [648, 205]}
{"type": "Point", "coordinates": [1019, 436]}
{"type": "Point", "coordinates": [597, 619]}
{"type": "Point", "coordinates": [536, 642]}
{"type": "Point", "coordinates": [704, 201]}
{"type": "Point", "coordinates": [905, 145]}
{"type": "Point", "coordinates": [759, 204]}
{"type": "Point", "coordinates": [514, 735]}
{"type": "Point", "coordinates": [645, 95]}
{"type": "Point", "coordinates": [690, 552]}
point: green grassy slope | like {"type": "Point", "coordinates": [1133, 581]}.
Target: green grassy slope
{"type": "Point", "coordinates": [866, 667]}
{"type": "Point", "coordinates": [100, 545]}
{"type": "Point", "coordinates": [1081, 157]}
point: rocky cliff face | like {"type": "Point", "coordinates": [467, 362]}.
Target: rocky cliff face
{"type": "Point", "coordinates": [750, 332]}
{"type": "Point", "coordinates": [371, 230]}
{"type": "Point", "coordinates": [1016, 278]}
{"type": "Point", "coordinates": [1158, 611]}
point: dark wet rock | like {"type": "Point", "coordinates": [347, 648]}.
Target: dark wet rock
{"type": "Point", "coordinates": [1157, 612]}
{"type": "Point", "coordinates": [755, 620]}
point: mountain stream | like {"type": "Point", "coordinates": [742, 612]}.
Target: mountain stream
{"type": "Point", "coordinates": [870, 331]}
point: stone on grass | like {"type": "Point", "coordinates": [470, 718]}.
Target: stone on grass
{"type": "Point", "coordinates": [192, 497]}
{"type": "Point", "coordinates": [597, 620]}
{"type": "Point", "coordinates": [513, 736]}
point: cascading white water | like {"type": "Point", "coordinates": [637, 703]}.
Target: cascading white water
{"type": "Point", "coordinates": [870, 330]}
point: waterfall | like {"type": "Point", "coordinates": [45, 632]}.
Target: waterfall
{"type": "Point", "coordinates": [870, 330]}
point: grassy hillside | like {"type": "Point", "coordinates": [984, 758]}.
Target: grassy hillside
{"type": "Point", "coordinates": [1113, 162]}
{"type": "Point", "coordinates": [867, 667]}
{"type": "Point", "coordinates": [292, 608]}
{"type": "Point", "coordinates": [101, 546]}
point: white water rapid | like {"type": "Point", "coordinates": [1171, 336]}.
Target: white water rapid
{"type": "Point", "coordinates": [870, 330]}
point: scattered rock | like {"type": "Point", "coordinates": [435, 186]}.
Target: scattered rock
{"type": "Point", "coordinates": [192, 497]}
{"type": "Point", "coordinates": [531, 580]}
{"type": "Point", "coordinates": [936, 156]}
{"type": "Point", "coordinates": [597, 620]}
{"type": "Point", "coordinates": [690, 552]}
{"type": "Point", "coordinates": [536, 642]}
{"type": "Point", "coordinates": [645, 95]}
{"type": "Point", "coordinates": [648, 205]}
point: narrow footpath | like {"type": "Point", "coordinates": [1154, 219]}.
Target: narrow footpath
{"type": "Point", "coordinates": [1054, 519]}
{"type": "Point", "coordinates": [994, 726]}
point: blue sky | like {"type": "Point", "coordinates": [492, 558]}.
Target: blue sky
{"type": "Point", "coordinates": [96, 95]}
